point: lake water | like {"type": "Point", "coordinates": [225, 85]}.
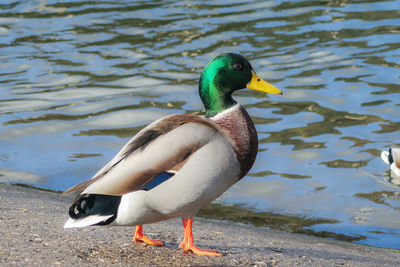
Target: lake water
{"type": "Point", "coordinates": [79, 78]}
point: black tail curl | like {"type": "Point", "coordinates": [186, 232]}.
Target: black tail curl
{"type": "Point", "coordinates": [390, 158]}
{"type": "Point", "coordinates": [95, 204]}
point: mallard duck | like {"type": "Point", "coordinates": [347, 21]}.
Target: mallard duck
{"type": "Point", "coordinates": [392, 158]}
{"type": "Point", "coordinates": [179, 163]}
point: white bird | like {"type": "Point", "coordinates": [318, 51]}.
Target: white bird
{"type": "Point", "coordinates": [392, 158]}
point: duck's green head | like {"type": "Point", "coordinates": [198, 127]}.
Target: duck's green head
{"type": "Point", "coordinates": [225, 74]}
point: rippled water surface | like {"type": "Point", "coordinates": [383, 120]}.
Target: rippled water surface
{"type": "Point", "coordinates": [79, 78]}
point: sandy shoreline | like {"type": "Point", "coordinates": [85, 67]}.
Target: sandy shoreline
{"type": "Point", "coordinates": [32, 235]}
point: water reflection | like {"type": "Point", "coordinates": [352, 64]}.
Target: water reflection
{"type": "Point", "coordinates": [281, 222]}
{"type": "Point", "coordinates": [382, 197]}
{"type": "Point", "coordinates": [78, 79]}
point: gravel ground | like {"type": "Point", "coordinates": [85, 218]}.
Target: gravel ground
{"type": "Point", "coordinates": [32, 234]}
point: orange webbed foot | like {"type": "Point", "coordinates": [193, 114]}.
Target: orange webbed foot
{"type": "Point", "coordinates": [187, 243]}
{"type": "Point", "coordinates": [202, 252]}
{"type": "Point", "coordinates": [139, 236]}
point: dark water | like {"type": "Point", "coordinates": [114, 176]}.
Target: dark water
{"type": "Point", "coordinates": [78, 78]}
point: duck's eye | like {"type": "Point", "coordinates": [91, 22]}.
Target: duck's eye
{"type": "Point", "coordinates": [237, 66]}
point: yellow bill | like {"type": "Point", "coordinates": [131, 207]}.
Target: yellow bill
{"type": "Point", "coordinates": [259, 84]}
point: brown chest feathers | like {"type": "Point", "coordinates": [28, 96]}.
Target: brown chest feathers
{"type": "Point", "coordinates": [239, 126]}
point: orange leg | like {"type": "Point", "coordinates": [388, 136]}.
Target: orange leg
{"type": "Point", "coordinates": [187, 243]}
{"type": "Point", "coordinates": [139, 236]}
